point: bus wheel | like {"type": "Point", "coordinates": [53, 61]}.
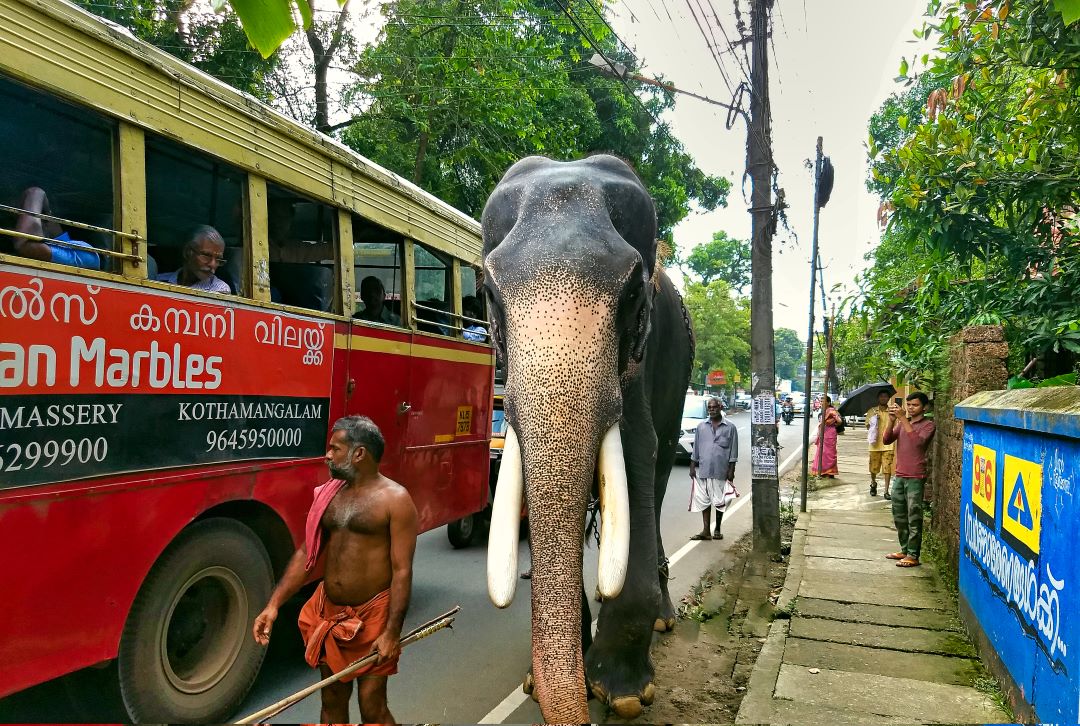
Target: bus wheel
{"type": "Point", "coordinates": [462, 532]}
{"type": "Point", "coordinates": [187, 653]}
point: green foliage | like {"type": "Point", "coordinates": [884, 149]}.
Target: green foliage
{"type": "Point", "coordinates": [721, 328]}
{"type": "Point", "coordinates": [453, 93]}
{"type": "Point", "coordinates": [213, 43]}
{"type": "Point", "coordinates": [977, 161]}
{"type": "Point", "coordinates": [789, 353]}
{"type": "Point", "coordinates": [722, 258]}
{"type": "Point", "coordinates": [269, 22]}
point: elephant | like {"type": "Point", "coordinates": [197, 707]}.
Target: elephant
{"type": "Point", "coordinates": [597, 348]}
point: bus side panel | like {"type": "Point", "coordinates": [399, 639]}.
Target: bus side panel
{"type": "Point", "coordinates": [446, 455]}
{"type": "Point", "coordinates": [91, 550]}
{"type": "Point", "coordinates": [379, 365]}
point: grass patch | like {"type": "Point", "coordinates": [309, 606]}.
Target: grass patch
{"type": "Point", "coordinates": [987, 684]}
{"type": "Point", "coordinates": [692, 606]}
{"type": "Point", "coordinates": [790, 610]}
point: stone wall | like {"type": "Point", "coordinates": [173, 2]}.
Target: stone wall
{"type": "Point", "coordinates": [977, 364]}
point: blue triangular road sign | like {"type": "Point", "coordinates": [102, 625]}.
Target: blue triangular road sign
{"type": "Point", "coordinates": [1019, 509]}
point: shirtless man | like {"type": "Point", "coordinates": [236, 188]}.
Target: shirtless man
{"type": "Point", "coordinates": [363, 526]}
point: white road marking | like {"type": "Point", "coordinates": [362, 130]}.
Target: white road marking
{"type": "Point", "coordinates": [517, 697]}
{"type": "Point", "coordinates": [508, 705]}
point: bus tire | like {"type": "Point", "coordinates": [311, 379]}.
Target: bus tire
{"type": "Point", "coordinates": [463, 532]}
{"type": "Point", "coordinates": [187, 654]}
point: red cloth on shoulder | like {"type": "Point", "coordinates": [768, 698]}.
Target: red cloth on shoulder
{"type": "Point", "coordinates": [324, 494]}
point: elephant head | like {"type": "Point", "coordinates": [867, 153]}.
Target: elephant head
{"type": "Point", "coordinates": [569, 258]}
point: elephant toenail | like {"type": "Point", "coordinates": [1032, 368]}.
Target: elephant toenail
{"type": "Point", "coordinates": [527, 684]}
{"type": "Point", "coordinates": [660, 626]}
{"type": "Point", "coordinates": [648, 694]}
{"type": "Point", "coordinates": [598, 691]}
{"type": "Point", "coordinates": [626, 706]}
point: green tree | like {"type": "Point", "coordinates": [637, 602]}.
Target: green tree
{"type": "Point", "coordinates": [453, 93]}
{"type": "Point", "coordinates": [215, 43]}
{"type": "Point", "coordinates": [721, 328]}
{"type": "Point", "coordinates": [789, 353]}
{"type": "Point", "coordinates": [723, 258]}
{"type": "Point", "coordinates": [980, 187]}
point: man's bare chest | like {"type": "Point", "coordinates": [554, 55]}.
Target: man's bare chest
{"type": "Point", "coordinates": [355, 512]}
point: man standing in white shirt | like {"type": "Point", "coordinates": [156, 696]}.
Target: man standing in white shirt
{"type": "Point", "coordinates": [712, 468]}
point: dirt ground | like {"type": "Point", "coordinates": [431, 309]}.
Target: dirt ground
{"type": "Point", "coordinates": [703, 667]}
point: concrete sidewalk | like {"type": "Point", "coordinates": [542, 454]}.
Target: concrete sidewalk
{"type": "Point", "coordinates": [867, 642]}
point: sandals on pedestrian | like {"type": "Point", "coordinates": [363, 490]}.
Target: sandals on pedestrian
{"type": "Point", "coordinates": [699, 536]}
{"type": "Point", "coordinates": [896, 556]}
{"type": "Point", "coordinates": [717, 535]}
{"type": "Point", "coordinates": [908, 562]}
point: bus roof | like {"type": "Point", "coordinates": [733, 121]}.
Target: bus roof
{"type": "Point", "coordinates": [144, 85]}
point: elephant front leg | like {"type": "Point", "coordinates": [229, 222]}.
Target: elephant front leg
{"type": "Point", "coordinates": [618, 666]}
{"type": "Point", "coordinates": [665, 620]}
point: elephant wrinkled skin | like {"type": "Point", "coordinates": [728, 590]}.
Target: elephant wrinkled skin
{"type": "Point", "coordinates": [597, 349]}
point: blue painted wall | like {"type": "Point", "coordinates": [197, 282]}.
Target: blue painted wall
{"type": "Point", "coordinates": [1019, 571]}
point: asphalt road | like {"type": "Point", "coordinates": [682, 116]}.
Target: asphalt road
{"type": "Point", "coordinates": [471, 674]}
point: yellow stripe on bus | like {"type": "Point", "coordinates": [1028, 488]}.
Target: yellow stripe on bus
{"type": "Point", "coordinates": [394, 347]}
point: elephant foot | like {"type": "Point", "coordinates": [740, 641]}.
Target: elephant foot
{"type": "Point", "coordinates": [664, 626]}
{"type": "Point", "coordinates": [626, 707]}
{"type": "Point", "coordinates": [621, 680]}
{"type": "Point", "coordinates": [528, 685]}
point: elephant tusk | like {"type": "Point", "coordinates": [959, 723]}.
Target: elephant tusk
{"type": "Point", "coordinates": [502, 554]}
{"type": "Point", "coordinates": [614, 515]}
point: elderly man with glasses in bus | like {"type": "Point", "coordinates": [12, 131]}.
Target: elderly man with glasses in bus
{"type": "Point", "coordinates": [202, 257]}
{"type": "Point", "coordinates": [362, 526]}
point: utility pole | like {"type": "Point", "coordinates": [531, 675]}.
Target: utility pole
{"type": "Point", "coordinates": [830, 361]}
{"type": "Point", "coordinates": [809, 380]}
{"type": "Point", "coordinates": [759, 162]}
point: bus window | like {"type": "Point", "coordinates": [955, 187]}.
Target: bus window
{"type": "Point", "coordinates": [58, 161]}
{"type": "Point", "coordinates": [302, 236]}
{"type": "Point", "coordinates": [378, 259]}
{"type": "Point", "coordinates": [474, 317]}
{"type": "Point", "coordinates": [194, 217]}
{"type": "Point", "coordinates": [433, 304]}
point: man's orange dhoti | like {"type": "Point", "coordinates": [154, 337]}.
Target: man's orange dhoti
{"type": "Point", "coordinates": [337, 635]}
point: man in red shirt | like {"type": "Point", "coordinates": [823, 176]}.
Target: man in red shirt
{"type": "Point", "coordinates": [912, 434]}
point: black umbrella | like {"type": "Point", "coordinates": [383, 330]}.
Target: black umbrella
{"type": "Point", "coordinates": [864, 398]}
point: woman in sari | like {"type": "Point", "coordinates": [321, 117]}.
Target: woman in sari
{"type": "Point", "coordinates": [824, 463]}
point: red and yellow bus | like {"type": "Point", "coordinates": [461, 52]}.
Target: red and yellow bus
{"type": "Point", "coordinates": [159, 443]}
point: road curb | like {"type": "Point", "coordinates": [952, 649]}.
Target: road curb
{"type": "Point", "coordinates": [757, 706]}
{"type": "Point", "coordinates": [796, 560]}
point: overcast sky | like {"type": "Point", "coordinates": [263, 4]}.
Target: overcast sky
{"type": "Point", "coordinates": [831, 65]}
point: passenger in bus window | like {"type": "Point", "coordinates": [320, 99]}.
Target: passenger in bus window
{"type": "Point", "coordinates": [373, 295]}
{"type": "Point", "coordinates": [34, 200]}
{"type": "Point", "coordinates": [202, 256]}
{"type": "Point", "coordinates": [470, 308]}
{"type": "Point", "coordinates": [284, 247]}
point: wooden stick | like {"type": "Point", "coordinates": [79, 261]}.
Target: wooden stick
{"type": "Point", "coordinates": [432, 626]}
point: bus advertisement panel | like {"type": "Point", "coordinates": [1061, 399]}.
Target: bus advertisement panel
{"type": "Point", "coordinates": [98, 380]}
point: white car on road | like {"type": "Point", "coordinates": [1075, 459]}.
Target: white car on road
{"type": "Point", "coordinates": [693, 413]}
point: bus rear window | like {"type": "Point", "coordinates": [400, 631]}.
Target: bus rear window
{"type": "Point", "coordinates": [58, 159]}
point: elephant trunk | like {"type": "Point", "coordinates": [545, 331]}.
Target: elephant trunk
{"type": "Point", "coordinates": [563, 401]}
{"type": "Point", "coordinates": [556, 537]}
